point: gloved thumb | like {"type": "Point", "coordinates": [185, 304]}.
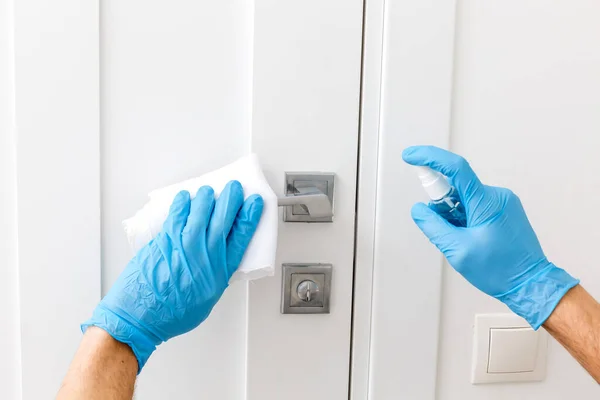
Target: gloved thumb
{"type": "Point", "coordinates": [436, 228]}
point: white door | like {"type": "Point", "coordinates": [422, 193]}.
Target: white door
{"type": "Point", "coordinates": [514, 86]}
{"type": "Point", "coordinates": [112, 99]}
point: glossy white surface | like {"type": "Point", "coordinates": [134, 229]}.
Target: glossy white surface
{"type": "Point", "coordinates": [10, 337]}
{"type": "Point", "coordinates": [114, 99]}
{"type": "Point", "coordinates": [191, 86]}
{"type": "Point", "coordinates": [415, 108]}
{"type": "Point", "coordinates": [305, 118]}
{"type": "Point", "coordinates": [53, 194]}
{"type": "Point", "coordinates": [524, 111]}
{"type": "Point", "coordinates": [527, 92]}
{"type": "Point", "coordinates": [175, 105]}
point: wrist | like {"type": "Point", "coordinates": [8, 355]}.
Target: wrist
{"type": "Point", "coordinates": [102, 368]}
{"type": "Point", "coordinates": [121, 330]}
{"type": "Point", "coordinates": [536, 298]}
{"type": "Point", "coordinates": [567, 308]}
{"type": "Point", "coordinates": [106, 345]}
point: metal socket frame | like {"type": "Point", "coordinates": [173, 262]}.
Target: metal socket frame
{"type": "Point", "coordinates": [295, 273]}
{"type": "Point", "coordinates": [323, 181]}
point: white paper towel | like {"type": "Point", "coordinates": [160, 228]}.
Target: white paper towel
{"type": "Point", "coordinates": [259, 260]}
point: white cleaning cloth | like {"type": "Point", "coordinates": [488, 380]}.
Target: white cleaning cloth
{"type": "Point", "coordinates": [259, 260]}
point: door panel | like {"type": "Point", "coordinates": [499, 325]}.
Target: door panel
{"type": "Point", "coordinates": [514, 87]}
{"type": "Point", "coordinates": [57, 181]}
{"type": "Point", "coordinates": [414, 107]}
{"type": "Point", "coordinates": [525, 113]}
{"type": "Point", "coordinates": [192, 86]}
{"type": "Point", "coordinates": [10, 346]}
{"type": "Point", "coordinates": [306, 85]}
{"type": "Point", "coordinates": [114, 99]}
{"type": "Point", "coordinates": [176, 103]}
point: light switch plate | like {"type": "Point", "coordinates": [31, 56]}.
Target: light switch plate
{"type": "Point", "coordinates": [512, 350]}
{"type": "Point", "coordinates": [506, 349]}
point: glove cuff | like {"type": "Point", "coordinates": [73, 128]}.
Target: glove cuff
{"type": "Point", "coordinates": [536, 298]}
{"type": "Point", "coordinates": [122, 331]}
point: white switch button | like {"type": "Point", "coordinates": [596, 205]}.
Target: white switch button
{"type": "Point", "coordinates": [506, 349]}
{"type": "Point", "coordinates": [512, 350]}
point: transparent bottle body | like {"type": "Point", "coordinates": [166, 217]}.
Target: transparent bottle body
{"type": "Point", "coordinates": [450, 208]}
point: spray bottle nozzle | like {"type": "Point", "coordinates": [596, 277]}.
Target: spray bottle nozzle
{"type": "Point", "coordinates": [434, 183]}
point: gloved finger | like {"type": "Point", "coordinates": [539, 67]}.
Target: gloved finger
{"type": "Point", "coordinates": [226, 209]}
{"type": "Point", "coordinates": [200, 212]}
{"type": "Point", "coordinates": [178, 214]}
{"type": "Point", "coordinates": [242, 231]}
{"type": "Point", "coordinates": [452, 165]}
{"type": "Point", "coordinates": [436, 228]}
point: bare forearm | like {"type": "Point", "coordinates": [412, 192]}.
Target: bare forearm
{"type": "Point", "coordinates": [103, 368]}
{"type": "Point", "coordinates": [575, 323]}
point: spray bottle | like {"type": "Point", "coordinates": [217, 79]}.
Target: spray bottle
{"type": "Point", "coordinates": [444, 197]}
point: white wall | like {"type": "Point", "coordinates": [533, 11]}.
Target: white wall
{"type": "Point", "coordinates": [525, 111]}
{"type": "Point", "coordinates": [10, 350]}
{"type": "Point", "coordinates": [526, 114]}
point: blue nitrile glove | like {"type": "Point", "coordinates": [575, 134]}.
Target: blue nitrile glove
{"type": "Point", "coordinates": [173, 283]}
{"type": "Point", "coordinates": [498, 251]}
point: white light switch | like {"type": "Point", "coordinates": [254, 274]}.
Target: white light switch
{"type": "Point", "coordinates": [512, 350]}
{"type": "Point", "coordinates": [506, 349]}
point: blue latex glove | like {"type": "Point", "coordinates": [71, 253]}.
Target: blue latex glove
{"type": "Point", "coordinates": [498, 252]}
{"type": "Point", "coordinates": [173, 283]}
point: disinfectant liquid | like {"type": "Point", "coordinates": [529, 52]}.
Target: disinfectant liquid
{"type": "Point", "coordinates": [444, 198]}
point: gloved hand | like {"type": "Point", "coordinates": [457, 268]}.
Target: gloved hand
{"type": "Point", "coordinates": [173, 283]}
{"type": "Point", "coordinates": [498, 252]}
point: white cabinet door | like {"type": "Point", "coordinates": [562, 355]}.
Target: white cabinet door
{"type": "Point", "coordinates": [115, 98]}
